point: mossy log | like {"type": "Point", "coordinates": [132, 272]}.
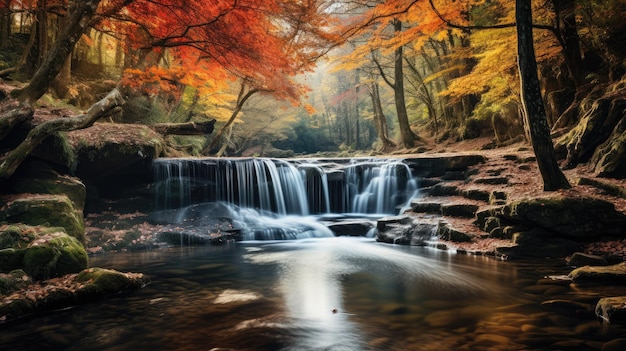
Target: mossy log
{"type": "Point", "coordinates": [189, 128]}
{"type": "Point", "coordinates": [110, 104]}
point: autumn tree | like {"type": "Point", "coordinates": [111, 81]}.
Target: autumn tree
{"type": "Point", "coordinates": [174, 40]}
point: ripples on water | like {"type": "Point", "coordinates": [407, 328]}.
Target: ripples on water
{"type": "Point", "coordinates": [322, 294]}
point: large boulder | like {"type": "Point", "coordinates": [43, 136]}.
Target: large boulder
{"type": "Point", "coordinates": [51, 182]}
{"type": "Point", "coordinates": [46, 210]}
{"type": "Point", "coordinates": [113, 158]}
{"type": "Point", "coordinates": [54, 255]}
{"type": "Point", "coordinates": [570, 217]}
{"type": "Point", "coordinates": [42, 252]}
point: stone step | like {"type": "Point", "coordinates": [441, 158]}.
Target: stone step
{"type": "Point", "coordinates": [451, 206]}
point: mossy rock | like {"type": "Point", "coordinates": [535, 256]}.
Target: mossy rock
{"type": "Point", "coordinates": [53, 183]}
{"type": "Point", "coordinates": [20, 236]}
{"type": "Point", "coordinates": [16, 309]}
{"type": "Point", "coordinates": [100, 281]}
{"type": "Point", "coordinates": [54, 255]}
{"type": "Point", "coordinates": [579, 218]}
{"type": "Point", "coordinates": [15, 280]}
{"type": "Point", "coordinates": [11, 259]}
{"type": "Point", "coordinates": [47, 210]}
{"type": "Point", "coordinates": [15, 239]}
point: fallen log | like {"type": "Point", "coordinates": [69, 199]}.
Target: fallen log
{"type": "Point", "coordinates": [189, 128]}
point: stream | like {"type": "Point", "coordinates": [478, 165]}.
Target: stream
{"type": "Point", "coordinates": [334, 293]}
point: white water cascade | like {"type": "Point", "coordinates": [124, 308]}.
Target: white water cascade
{"type": "Point", "coordinates": [281, 189]}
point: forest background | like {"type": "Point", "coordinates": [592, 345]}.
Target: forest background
{"type": "Point", "coordinates": [284, 78]}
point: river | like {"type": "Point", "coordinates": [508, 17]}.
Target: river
{"type": "Point", "coordinates": [334, 293]}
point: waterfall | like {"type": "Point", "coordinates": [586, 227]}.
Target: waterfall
{"type": "Point", "coordinates": [280, 198]}
{"type": "Point", "coordinates": [300, 187]}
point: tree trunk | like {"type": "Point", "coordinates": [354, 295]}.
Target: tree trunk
{"type": "Point", "coordinates": [80, 13]}
{"type": "Point", "coordinates": [534, 111]}
{"type": "Point", "coordinates": [379, 119]}
{"type": "Point", "coordinates": [241, 100]}
{"type": "Point", "coordinates": [108, 105]}
{"type": "Point", "coordinates": [408, 137]}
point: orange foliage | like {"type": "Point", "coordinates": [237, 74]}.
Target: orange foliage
{"type": "Point", "coordinates": [266, 43]}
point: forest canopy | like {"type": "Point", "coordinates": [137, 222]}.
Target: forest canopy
{"type": "Point", "coordinates": [311, 76]}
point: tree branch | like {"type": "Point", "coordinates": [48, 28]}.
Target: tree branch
{"type": "Point", "coordinates": [108, 105]}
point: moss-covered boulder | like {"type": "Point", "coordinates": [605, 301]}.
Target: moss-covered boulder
{"type": "Point", "coordinates": [46, 210]}
{"type": "Point", "coordinates": [100, 281]}
{"type": "Point", "coordinates": [113, 158]}
{"type": "Point", "coordinates": [54, 255]}
{"type": "Point", "coordinates": [15, 240]}
{"type": "Point", "coordinates": [51, 182]}
{"type": "Point", "coordinates": [572, 217]}
{"type": "Point", "coordinates": [12, 281]}
{"type": "Point", "coordinates": [24, 298]}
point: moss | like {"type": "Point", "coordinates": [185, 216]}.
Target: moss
{"type": "Point", "coordinates": [16, 309]}
{"type": "Point", "coordinates": [53, 183]}
{"type": "Point", "coordinates": [48, 210]}
{"type": "Point", "coordinates": [55, 255]}
{"type": "Point", "coordinates": [109, 281]}
{"type": "Point", "coordinates": [16, 236]}
{"type": "Point", "coordinates": [15, 280]}
{"type": "Point", "coordinates": [10, 259]}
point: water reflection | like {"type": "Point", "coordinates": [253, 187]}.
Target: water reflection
{"type": "Point", "coordinates": [283, 296]}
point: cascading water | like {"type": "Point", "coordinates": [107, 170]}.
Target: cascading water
{"type": "Point", "coordinates": [276, 199]}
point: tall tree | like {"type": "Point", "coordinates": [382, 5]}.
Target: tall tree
{"type": "Point", "coordinates": [534, 111]}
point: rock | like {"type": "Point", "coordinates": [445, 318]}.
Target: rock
{"type": "Point", "coordinates": [89, 285]}
{"type": "Point", "coordinates": [50, 182]}
{"type": "Point", "coordinates": [491, 223]}
{"type": "Point", "coordinates": [425, 207]}
{"type": "Point", "coordinates": [492, 180]}
{"type": "Point", "coordinates": [497, 197]}
{"type": "Point", "coordinates": [459, 210]}
{"type": "Point", "coordinates": [178, 236]}
{"type": "Point", "coordinates": [48, 210]}
{"type": "Point", "coordinates": [14, 280]}
{"type": "Point", "coordinates": [538, 242]}
{"type": "Point", "coordinates": [403, 230]}
{"type": "Point", "coordinates": [615, 274]}
{"type": "Point", "coordinates": [351, 228]}
{"type": "Point", "coordinates": [115, 157]}
{"type": "Point", "coordinates": [437, 166]}
{"type": "Point", "coordinates": [579, 259]}
{"type": "Point", "coordinates": [445, 232]}
{"type": "Point", "coordinates": [442, 190]}
{"type": "Point", "coordinates": [476, 194]}
{"type": "Point", "coordinates": [579, 218]}
{"type": "Point", "coordinates": [54, 255]}
{"type": "Point", "coordinates": [107, 281]}
{"type": "Point", "coordinates": [612, 309]}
